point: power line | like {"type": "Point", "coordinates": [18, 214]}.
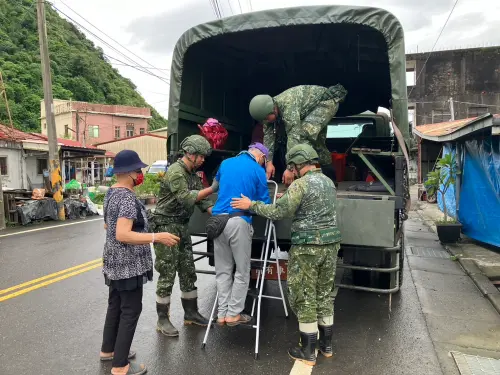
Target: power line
{"type": "Point", "coordinates": [250, 4]}
{"type": "Point", "coordinates": [434, 46]}
{"type": "Point", "coordinates": [110, 46]}
{"type": "Point", "coordinates": [102, 32]}
{"type": "Point", "coordinates": [230, 7]}
{"type": "Point", "coordinates": [214, 8]}
{"type": "Point", "coordinates": [221, 10]}
{"type": "Point", "coordinates": [141, 66]}
{"type": "Point", "coordinates": [239, 4]}
{"type": "Point", "coordinates": [166, 80]}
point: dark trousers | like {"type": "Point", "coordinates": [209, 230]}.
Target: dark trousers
{"type": "Point", "coordinates": [124, 309]}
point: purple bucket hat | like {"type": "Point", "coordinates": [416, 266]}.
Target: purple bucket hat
{"type": "Point", "coordinates": [259, 146]}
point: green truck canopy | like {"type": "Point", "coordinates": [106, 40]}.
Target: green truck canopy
{"type": "Point", "coordinates": [217, 67]}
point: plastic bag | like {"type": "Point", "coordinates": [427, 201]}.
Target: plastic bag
{"type": "Point", "coordinates": [38, 194]}
{"type": "Point", "coordinates": [215, 133]}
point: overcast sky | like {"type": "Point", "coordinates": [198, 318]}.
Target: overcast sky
{"type": "Point", "coordinates": [150, 28]}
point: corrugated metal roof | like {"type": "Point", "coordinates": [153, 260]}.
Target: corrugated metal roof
{"type": "Point", "coordinates": [7, 133]}
{"type": "Point", "coordinates": [443, 128]}
{"type": "Point", "coordinates": [452, 130]}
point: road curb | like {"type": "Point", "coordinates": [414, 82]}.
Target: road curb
{"type": "Point", "coordinates": [485, 286]}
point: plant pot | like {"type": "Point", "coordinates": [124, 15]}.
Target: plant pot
{"type": "Point", "coordinates": [449, 233]}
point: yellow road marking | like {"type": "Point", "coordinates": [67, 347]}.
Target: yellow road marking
{"type": "Point", "coordinates": [31, 282]}
{"type": "Point", "coordinates": [45, 283]}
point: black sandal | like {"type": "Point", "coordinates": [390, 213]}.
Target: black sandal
{"type": "Point", "coordinates": [135, 369]}
{"type": "Point", "coordinates": [106, 359]}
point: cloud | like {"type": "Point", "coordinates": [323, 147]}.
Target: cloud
{"type": "Point", "coordinates": [159, 33]}
{"type": "Point", "coordinates": [422, 21]}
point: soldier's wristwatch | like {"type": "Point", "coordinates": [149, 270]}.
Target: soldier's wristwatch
{"type": "Point", "coordinates": [289, 168]}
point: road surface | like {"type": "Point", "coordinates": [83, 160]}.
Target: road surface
{"type": "Point", "coordinates": [52, 324]}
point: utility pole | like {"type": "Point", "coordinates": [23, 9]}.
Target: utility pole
{"type": "Point", "coordinates": [452, 110]}
{"type": "Point", "coordinates": [77, 126]}
{"type": "Point", "coordinates": [3, 94]}
{"type": "Point", "coordinates": [54, 166]}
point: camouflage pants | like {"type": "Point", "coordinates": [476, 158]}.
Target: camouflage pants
{"type": "Point", "coordinates": [311, 279]}
{"type": "Point", "coordinates": [315, 126]}
{"type": "Point", "coordinates": [175, 259]}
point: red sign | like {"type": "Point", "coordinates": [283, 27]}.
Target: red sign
{"type": "Point", "coordinates": [271, 271]}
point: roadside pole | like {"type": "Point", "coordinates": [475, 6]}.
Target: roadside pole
{"type": "Point", "coordinates": [2, 213]}
{"type": "Point", "coordinates": [54, 166]}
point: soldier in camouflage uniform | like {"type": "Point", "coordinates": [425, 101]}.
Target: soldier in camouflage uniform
{"type": "Point", "coordinates": [302, 113]}
{"type": "Point", "coordinates": [311, 202]}
{"type": "Point", "coordinates": [180, 191]}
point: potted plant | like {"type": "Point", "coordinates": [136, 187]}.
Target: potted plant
{"type": "Point", "coordinates": [439, 181]}
{"type": "Point", "coordinates": [149, 189]}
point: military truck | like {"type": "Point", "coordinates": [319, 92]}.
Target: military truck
{"type": "Point", "coordinates": [219, 66]}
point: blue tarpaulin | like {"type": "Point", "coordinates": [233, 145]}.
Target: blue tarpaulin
{"type": "Point", "coordinates": [479, 201]}
{"type": "Point", "coordinates": [479, 204]}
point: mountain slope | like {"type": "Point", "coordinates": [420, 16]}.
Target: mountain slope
{"type": "Point", "coordinates": [79, 68]}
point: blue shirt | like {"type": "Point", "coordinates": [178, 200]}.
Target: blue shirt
{"type": "Point", "coordinates": [240, 175]}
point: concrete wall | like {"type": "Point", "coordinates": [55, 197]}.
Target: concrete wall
{"type": "Point", "coordinates": [468, 76]}
{"type": "Point", "coordinates": [149, 148]}
{"type": "Point", "coordinates": [106, 117]}
{"type": "Point", "coordinates": [12, 151]}
{"type": "Point", "coordinates": [31, 170]}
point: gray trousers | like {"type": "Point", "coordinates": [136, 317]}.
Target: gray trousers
{"type": "Point", "coordinates": [233, 246]}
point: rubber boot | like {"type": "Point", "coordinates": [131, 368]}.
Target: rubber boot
{"type": "Point", "coordinates": [164, 325]}
{"type": "Point", "coordinates": [191, 314]}
{"type": "Point", "coordinates": [307, 351]}
{"type": "Point", "coordinates": [325, 340]}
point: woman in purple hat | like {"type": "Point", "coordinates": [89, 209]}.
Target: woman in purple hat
{"type": "Point", "coordinates": [127, 262]}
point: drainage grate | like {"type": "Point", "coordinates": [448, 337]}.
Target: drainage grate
{"type": "Point", "coordinates": [429, 252]}
{"type": "Point", "coordinates": [475, 365]}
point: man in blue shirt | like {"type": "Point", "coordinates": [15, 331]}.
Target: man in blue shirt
{"type": "Point", "coordinates": [242, 174]}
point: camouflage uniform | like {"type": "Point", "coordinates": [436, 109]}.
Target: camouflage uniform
{"type": "Point", "coordinates": [178, 191]}
{"type": "Point", "coordinates": [304, 112]}
{"type": "Point", "coordinates": [310, 201]}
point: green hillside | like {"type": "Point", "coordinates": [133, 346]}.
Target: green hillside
{"type": "Point", "coordinates": [79, 69]}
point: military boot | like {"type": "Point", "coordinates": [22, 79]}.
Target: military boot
{"type": "Point", "coordinates": [164, 325]}
{"type": "Point", "coordinates": [191, 314]}
{"type": "Point", "coordinates": [307, 351]}
{"type": "Point", "coordinates": [325, 340]}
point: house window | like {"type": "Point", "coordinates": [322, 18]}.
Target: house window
{"type": "Point", "coordinates": [410, 77]}
{"type": "Point", "coordinates": [142, 131]}
{"type": "Point", "coordinates": [117, 132]}
{"type": "Point", "coordinates": [3, 166]}
{"type": "Point", "coordinates": [66, 131]}
{"type": "Point", "coordinates": [411, 117]}
{"type": "Point", "coordinates": [410, 73]}
{"type": "Point", "coordinates": [93, 131]}
{"type": "Point", "coordinates": [130, 129]}
{"type": "Point", "coordinates": [41, 165]}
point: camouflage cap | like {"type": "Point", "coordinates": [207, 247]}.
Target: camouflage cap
{"type": "Point", "coordinates": [301, 154]}
{"type": "Point", "coordinates": [261, 106]}
{"type": "Point", "coordinates": [196, 144]}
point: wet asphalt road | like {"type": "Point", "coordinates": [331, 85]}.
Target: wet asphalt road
{"type": "Point", "coordinates": [57, 329]}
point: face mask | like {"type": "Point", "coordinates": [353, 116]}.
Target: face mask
{"type": "Point", "coordinates": [139, 180]}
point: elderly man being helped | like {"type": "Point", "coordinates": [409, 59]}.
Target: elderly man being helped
{"type": "Point", "coordinates": [242, 174]}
